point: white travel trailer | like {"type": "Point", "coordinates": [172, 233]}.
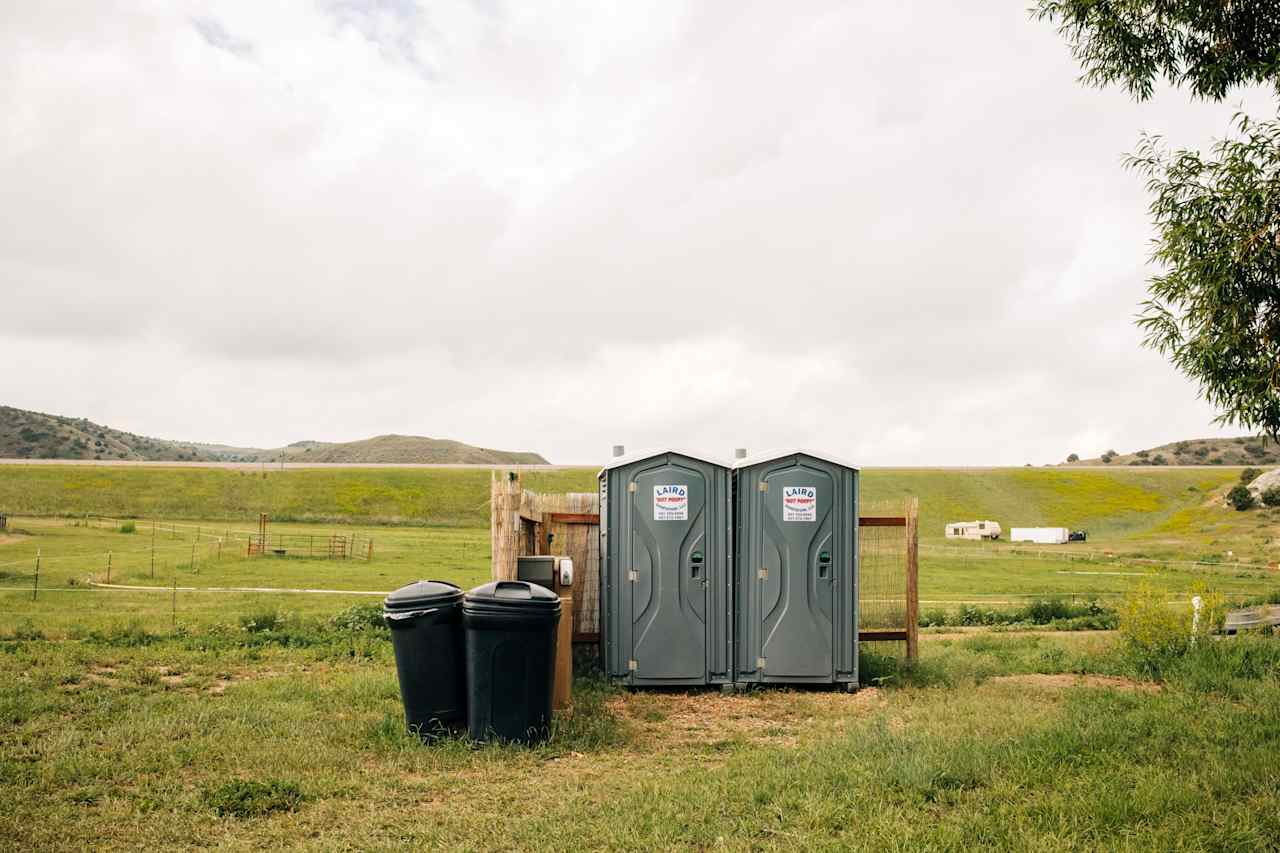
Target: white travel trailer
{"type": "Point", "coordinates": [973, 530]}
{"type": "Point", "coordinates": [1040, 535]}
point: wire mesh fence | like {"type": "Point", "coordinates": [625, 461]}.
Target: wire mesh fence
{"type": "Point", "coordinates": [883, 576]}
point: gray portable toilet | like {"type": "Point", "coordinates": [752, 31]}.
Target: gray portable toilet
{"type": "Point", "coordinates": [666, 588]}
{"type": "Point", "coordinates": [796, 569]}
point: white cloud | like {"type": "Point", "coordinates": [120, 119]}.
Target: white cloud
{"type": "Point", "coordinates": [901, 232]}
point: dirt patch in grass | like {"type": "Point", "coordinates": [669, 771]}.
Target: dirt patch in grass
{"type": "Point", "coordinates": [1066, 679]}
{"type": "Point", "coordinates": [712, 720]}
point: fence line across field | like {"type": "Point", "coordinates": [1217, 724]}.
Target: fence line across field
{"type": "Point", "coordinates": [1085, 557]}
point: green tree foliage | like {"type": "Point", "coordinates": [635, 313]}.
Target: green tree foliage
{"type": "Point", "coordinates": [1073, 458]}
{"type": "Point", "coordinates": [1248, 475]}
{"type": "Point", "coordinates": [1271, 497]}
{"type": "Point", "coordinates": [1209, 48]}
{"type": "Point", "coordinates": [1213, 310]}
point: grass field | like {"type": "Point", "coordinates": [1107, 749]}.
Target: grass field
{"type": "Point", "coordinates": [252, 720]}
{"type": "Point", "coordinates": [293, 738]}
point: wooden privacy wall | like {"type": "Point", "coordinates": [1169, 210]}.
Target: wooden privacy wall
{"type": "Point", "coordinates": [524, 523]}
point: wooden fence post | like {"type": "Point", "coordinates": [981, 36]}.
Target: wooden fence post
{"type": "Point", "coordinates": [35, 588]}
{"type": "Point", "coordinates": [108, 568]}
{"type": "Point", "coordinates": [505, 490]}
{"type": "Point", "coordinates": [913, 577]}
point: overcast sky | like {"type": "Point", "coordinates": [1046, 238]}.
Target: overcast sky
{"type": "Point", "coordinates": [899, 232]}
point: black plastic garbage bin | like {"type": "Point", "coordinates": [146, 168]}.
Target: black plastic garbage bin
{"type": "Point", "coordinates": [511, 659]}
{"type": "Point", "coordinates": [426, 631]}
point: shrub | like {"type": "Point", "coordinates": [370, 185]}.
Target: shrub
{"type": "Point", "coordinates": [1073, 458]}
{"type": "Point", "coordinates": [1202, 451]}
{"type": "Point", "coordinates": [265, 620]}
{"type": "Point", "coordinates": [358, 617]}
{"type": "Point", "coordinates": [1159, 459]}
{"type": "Point", "coordinates": [1141, 454]}
{"type": "Point", "coordinates": [1155, 634]}
{"type": "Point", "coordinates": [1240, 497]}
{"type": "Point", "coordinates": [128, 527]}
{"type": "Point", "coordinates": [1217, 460]}
{"type": "Point", "coordinates": [1271, 497]}
{"type": "Point", "coordinates": [1248, 475]}
{"type": "Point", "coordinates": [244, 798]}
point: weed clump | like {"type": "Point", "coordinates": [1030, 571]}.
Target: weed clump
{"type": "Point", "coordinates": [1156, 635]}
{"type": "Point", "coordinates": [264, 621]}
{"type": "Point", "coordinates": [1057, 613]}
{"type": "Point", "coordinates": [245, 798]}
{"type": "Point", "coordinates": [128, 635]}
{"type": "Point", "coordinates": [128, 527]}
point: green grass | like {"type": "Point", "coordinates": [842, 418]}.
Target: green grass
{"type": "Point", "coordinates": [256, 720]}
{"type": "Point", "coordinates": [243, 742]}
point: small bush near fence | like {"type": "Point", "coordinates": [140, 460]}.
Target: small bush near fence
{"type": "Point", "coordinates": [128, 527]}
{"type": "Point", "coordinates": [1156, 635]}
{"type": "Point", "coordinates": [1053, 612]}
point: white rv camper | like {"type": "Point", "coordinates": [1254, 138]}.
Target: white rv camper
{"type": "Point", "coordinates": [1040, 535]}
{"type": "Point", "coordinates": [973, 530]}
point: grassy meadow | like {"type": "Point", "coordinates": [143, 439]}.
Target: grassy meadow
{"type": "Point", "coordinates": [245, 720]}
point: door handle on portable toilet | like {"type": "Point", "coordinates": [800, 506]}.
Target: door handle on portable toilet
{"type": "Point", "coordinates": [695, 567]}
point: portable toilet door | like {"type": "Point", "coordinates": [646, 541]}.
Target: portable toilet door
{"type": "Point", "coordinates": [796, 569]}
{"type": "Point", "coordinates": [666, 587]}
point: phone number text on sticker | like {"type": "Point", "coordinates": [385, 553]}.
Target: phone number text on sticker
{"type": "Point", "coordinates": [671, 503]}
{"type": "Point", "coordinates": [799, 503]}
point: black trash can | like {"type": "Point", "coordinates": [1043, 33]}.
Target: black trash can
{"type": "Point", "coordinates": [426, 631]}
{"type": "Point", "coordinates": [511, 660]}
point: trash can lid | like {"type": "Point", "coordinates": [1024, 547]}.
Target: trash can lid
{"type": "Point", "coordinates": [514, 595]}
{"type": "Point", "coordinates": [421, 594]}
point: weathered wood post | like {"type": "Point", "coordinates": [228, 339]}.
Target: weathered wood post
{"type": "Point", "coordinates": [108, 568]}
{"type": "Point", "coordinates": [35, 587]}
{"type": "Point", "coordinates": [505, 489]}
{"type": "Point", "coordinates": [913, 577]}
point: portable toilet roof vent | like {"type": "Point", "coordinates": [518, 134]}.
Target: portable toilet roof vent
{"type": "Point", "coordinates": [628, 458]}
{"type": "Point", "coordinates": [782, 453]}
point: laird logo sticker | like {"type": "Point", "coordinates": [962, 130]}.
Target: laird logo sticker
{"type": "Point", "coordinates": [670, 503]}
{"type": "Point", "coordinates": [799, 503]}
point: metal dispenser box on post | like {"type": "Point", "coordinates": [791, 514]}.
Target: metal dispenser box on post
{"type": "Point", "coordinates": [666, 596]}
{"type": "Point", "coordinates": [796, 569]}
{"type": "Point", "coordinates": [556, 574]}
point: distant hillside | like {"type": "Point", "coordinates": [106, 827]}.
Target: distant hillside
{"type": "Point", "coordinates": [402, 448]}
{"type": "Point", "coordinates": [35, 435]}
{"type": "Point", "coordinates": [1244, 450]}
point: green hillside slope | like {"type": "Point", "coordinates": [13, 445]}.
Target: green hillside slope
{"type": "Point", "coordinates": [36, 435]}
{"type": "Point", "coordinates": [1241, 450]}
{"type": "Point", "coordinates": [444, 496]}
{"type": "Point", "coordinates": [1126, 500]}
{"type": "Point", "coordinates": [1118, 501]}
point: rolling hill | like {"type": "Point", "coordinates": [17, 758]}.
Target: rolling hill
{"type": "Point", "coordinates": [36, 435]}
{"type": "Point", "coordinates": [1243, 450]}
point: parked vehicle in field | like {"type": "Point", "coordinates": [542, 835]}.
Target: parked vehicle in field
{"type": "Point", "coordinates": [973, 530]}
{"type": "Point", "coordinates": [1078, 536]}
{"type": "Point", "coordinates": [1040, 535]}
